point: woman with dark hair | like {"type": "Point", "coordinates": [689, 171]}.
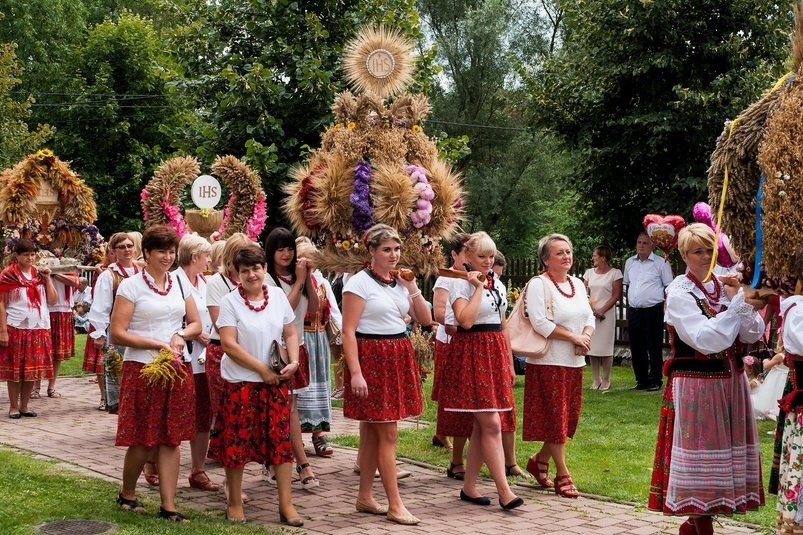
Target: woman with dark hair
{"type": "Point", "coordinates": [25, 294]}
{"type": "Point", "coordinates": [604, 284]}
{"type": "Point", "coordinates": [121, 249]}
{"type": "Point", "coordinates": [254, 421]}
{"type": "Point", "coordinates": [382, 381]}
{"type": "Point", "coordinates": [291, 274]}
{"type": "Point", "coordinates": [148, 319]}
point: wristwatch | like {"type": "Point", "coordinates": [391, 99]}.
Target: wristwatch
{"type": "Point", "coordinates": [181, 333]}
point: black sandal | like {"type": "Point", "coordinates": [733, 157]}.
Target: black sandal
{"type": "Point", "coordinates": [460, 476]}
{"type": "Point", "coordinates": [173, 516]}
{"type": "Point", "coordinates": [309, 482]}
{"type": "Point", "coordinates": [130, 505]}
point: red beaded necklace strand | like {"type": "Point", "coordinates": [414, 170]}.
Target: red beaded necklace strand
{"type": "Point", "coordinates": [123, 272]}
{"type": "Point", "coordinates": [712, 297]}
{"type": "Point", "coordinates": [288, 280]}
{"type": "Point", "coordinates": [383, 280]}
{"type": "Point", "coordinates": [248, 303]}
{"type": "Point", "coordinates": [154, 288]}
{"type": "Point", "coordinates": [561, 292]}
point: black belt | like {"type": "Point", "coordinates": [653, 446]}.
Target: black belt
{"type": "Point", "coordinates": [214, 342]}
{"type": "Point", "coordinates": [482, 328]}
{"type": "Point", "coordinates": [367, 336]}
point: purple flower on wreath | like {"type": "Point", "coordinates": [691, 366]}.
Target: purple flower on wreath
{"type": "Point", "coordinates": [362, 217]}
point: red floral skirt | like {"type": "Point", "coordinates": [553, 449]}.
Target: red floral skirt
{"type": "Point", "coordinates": [203, 411]}
{"type": "Point", "coordinates": [553, 398]}
{"type": "Point", "coordinates": [27, 356]}
{"type": "Point", "coordinates": [214, 354]}
{"type": "Point", "coordinates": [394, 383]}
{"type": "Point", "coordinates": [301, 377]}
{"type": "Point", "coordinates": [440, 357]}
{"type": "Point", "coordinates": [62, 334]}
{"type": "Point", "coordinates": [93, 356]}
{"type": "Point", "coordinates": [476, 376]}
{"type": "Point", "coordinates": [153, 415]}
{"type": "Point", "coordinates": [253, 425]}
{"type": "Point", "coordinates": [461, 424]}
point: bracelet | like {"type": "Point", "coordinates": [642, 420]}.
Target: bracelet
{"type": "Point", "coordinates": [413, 296]}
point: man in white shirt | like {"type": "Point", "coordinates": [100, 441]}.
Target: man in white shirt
{"type": "Point", "coordinates": [646, 277]}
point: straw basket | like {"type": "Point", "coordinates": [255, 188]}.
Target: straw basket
{"type": "Point", "coordinates": [204, 224]}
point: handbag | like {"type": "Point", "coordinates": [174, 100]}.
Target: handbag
{"type": "Point", "coordinates": [524, 340]}
{"type": "Point", "coordinates": [277, 357]}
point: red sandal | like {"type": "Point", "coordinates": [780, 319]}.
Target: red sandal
{"type": "Point", "coordinates": [564, 486]}
{"type": "Point", "coordinates": [540, 470]}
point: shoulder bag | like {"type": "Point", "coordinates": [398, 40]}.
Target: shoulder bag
{"type": "Point", "coordinates": [524, 340]}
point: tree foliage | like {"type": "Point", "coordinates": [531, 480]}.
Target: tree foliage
{"type": "Point", "coordinates": [641, 88]}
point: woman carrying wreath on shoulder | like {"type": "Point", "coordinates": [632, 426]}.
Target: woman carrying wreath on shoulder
{"type": "Point", "coordinates": [553, 388]}
{"type": "Point", "coordinates": [707, 458]}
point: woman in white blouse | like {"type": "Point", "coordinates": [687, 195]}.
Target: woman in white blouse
{"type": "Point", "coordinates": [707, 460]}
{"type": "Point", "coordinates": [148, 314]}
{"type": "Point", "coordinates": [382, 380]}
{"type": "Point", "coordinates": [254, 420]}
{"type": "Point", "coordinates": [193, 258]}
{"type": "Point", "coordinates": [553, 388]}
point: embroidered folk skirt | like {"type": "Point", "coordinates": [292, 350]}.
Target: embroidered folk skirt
{"type": "Point", "coordinates": [461, 424]}
{"type": "Point", "coordinates": [315, 404]}
{"type": "Point", "coordinates": [477, 376]}
{"type": "Point", "coordinates": [154, 415]}
{"type": "Point", "coordinates": [301, 377]}
{"type": "Point", "coordinates": [553, 399]}
{"type": "Point", "coordinates": [27, 356]}
{"type": "Point", "coordinates": [790, 482]}
{"type": "Point", "coordinates": [707, 457]}
{"type": "Point", "coordinates": [214, 354]}
{"type": "Point", "coordinates": [203, 410]}
{"type": "Point", "coordinates": [253, 425]}
{"type": "Point", "coordinates": [394, 382]}
{"type": "Point", "coordinates": [93, 356]}
{"type": "Point", "coordinates": [62, 335]}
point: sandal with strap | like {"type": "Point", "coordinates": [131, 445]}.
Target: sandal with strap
{"type": "Point", "coordinates": [564, 486]}
{"type": "Point", "coordinates": [53, 393]}
{"type": "Point", "coordinates": [322, 447]}
{"type": "Point", "coordinates": [153, 477]}
{"type": "Point", "coordinates": [173, 516]}
{"type": "Point", "coordinates": [102, 405]}
{"type": "Point", "coordinates": [130, 505]}
{"type": "Point", "coordinates": [309, 482]}
{"type": "Point", "coordinates": [540, 469]}
{"type": "Point", "coordinates": [460, 476]}
{"type": "Point", "coordinates": [514, 470]}
{"type": "Point", "coordinates": [200, 480]}
{"type": "Point", "coordinates": [35, 394]}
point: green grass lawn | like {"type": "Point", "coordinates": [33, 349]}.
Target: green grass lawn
{"type": "Point", "coordinates": [72, 367]}
{"type": "Point", "coordinates": [612, 453]}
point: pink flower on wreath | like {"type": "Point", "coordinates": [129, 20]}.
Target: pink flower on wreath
{"type": "Point", "coordinates": [257, 222]}
{"type": "Point", "coordinates": [226, 216]}
{"type": "Point", "coordinates": [175, 219]}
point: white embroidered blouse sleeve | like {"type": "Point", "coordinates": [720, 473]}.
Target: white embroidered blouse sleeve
{"type": "Point", "coordinates": [101, 309]}
{"type": "Point", "coordinates": [334, 310]}
{"type": "Point", "coordinates": [536, 308]}
{"type": "Point", "coordinates": [793, 324]}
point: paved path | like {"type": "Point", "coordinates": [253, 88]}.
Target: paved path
{"type": "Point", "coordinates": [70, 429]}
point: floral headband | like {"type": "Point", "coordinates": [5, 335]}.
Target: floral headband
{"type": "Point", "coordinates": [750, 360]}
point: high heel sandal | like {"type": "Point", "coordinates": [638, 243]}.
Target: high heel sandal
{"type": "Point", "coordinates": [564, 486]}
{"type": "Point", "coordinates": [200, 480]}
{"type": "Point", "coordinates": [309, 482]}
{"type": "Point", "coordinates": [460, 476]}
{"type": "Point", "coordinates": [540, 470]}
{"type": "Point", "coordinates": [152, 478]}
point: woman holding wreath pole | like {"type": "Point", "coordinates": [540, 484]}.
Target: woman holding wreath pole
{"type": "Point", "coordinates": [254, 420]}
{"type": "Point", "coordinates": [553, 388]}
{"type": "Point", "coordinates": [382, 380]}
{"type": "Point", "coordinates": [147, 319]}
{"type": "Point", "coordinates": [707, 457]}
{"type": "Point", "coordinates": [25, 294]}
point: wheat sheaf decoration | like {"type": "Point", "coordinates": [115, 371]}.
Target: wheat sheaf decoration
{"type": "Point", "coordinates": [379, 60]}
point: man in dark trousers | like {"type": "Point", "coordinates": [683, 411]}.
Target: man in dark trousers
{"type": "Point", "coordinates": [646, 276]}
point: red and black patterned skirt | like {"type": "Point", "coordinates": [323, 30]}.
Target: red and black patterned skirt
{"type": "Point", "coordinates": [27, 356]}
{"type": "Point", "coordinates": [153, 415]}
{"type": "Point", "coordinates": [477, 374]}
{"type": "Point", "coordinates": [62, 334]}
{"type": "Point", "coordinates": [301, 377]}
{"type": "Point", "coordinates": [214, 354]}
{"type": "Point", "coordinates": [93, 356]}
{"type": "Point", "coordinates": [394, 384]}
{"type": "Point", "coordinates": [553, 398]}
{"type": "Point", "coordinates": [461, 424]}
{"type": "Point", "coordinates": [203, 410]}
{"type": "Point", "coordinates": [253, 425]}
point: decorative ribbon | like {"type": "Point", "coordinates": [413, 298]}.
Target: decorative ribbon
{"type": "Point", "coordinates": [759, 236]}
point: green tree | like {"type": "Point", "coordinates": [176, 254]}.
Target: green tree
{"type": "Point", "coordinates": [263, 76]}
{"type": "Point", "coordinates": [641, 88]}
{"type": "Point", "coordinates": [16, 139]}
{"type": "Point", "coordinates": [117, 121]}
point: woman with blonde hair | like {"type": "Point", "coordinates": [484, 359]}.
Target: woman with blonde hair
{"type": "Point", "coordinates": [382, 381]}
{"type": "Point", "coordinates": [478, 378]}
{"type": "Point", "coordinates": [707, 460]}
{"type": "Point", "coordinates": [553, 388]}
